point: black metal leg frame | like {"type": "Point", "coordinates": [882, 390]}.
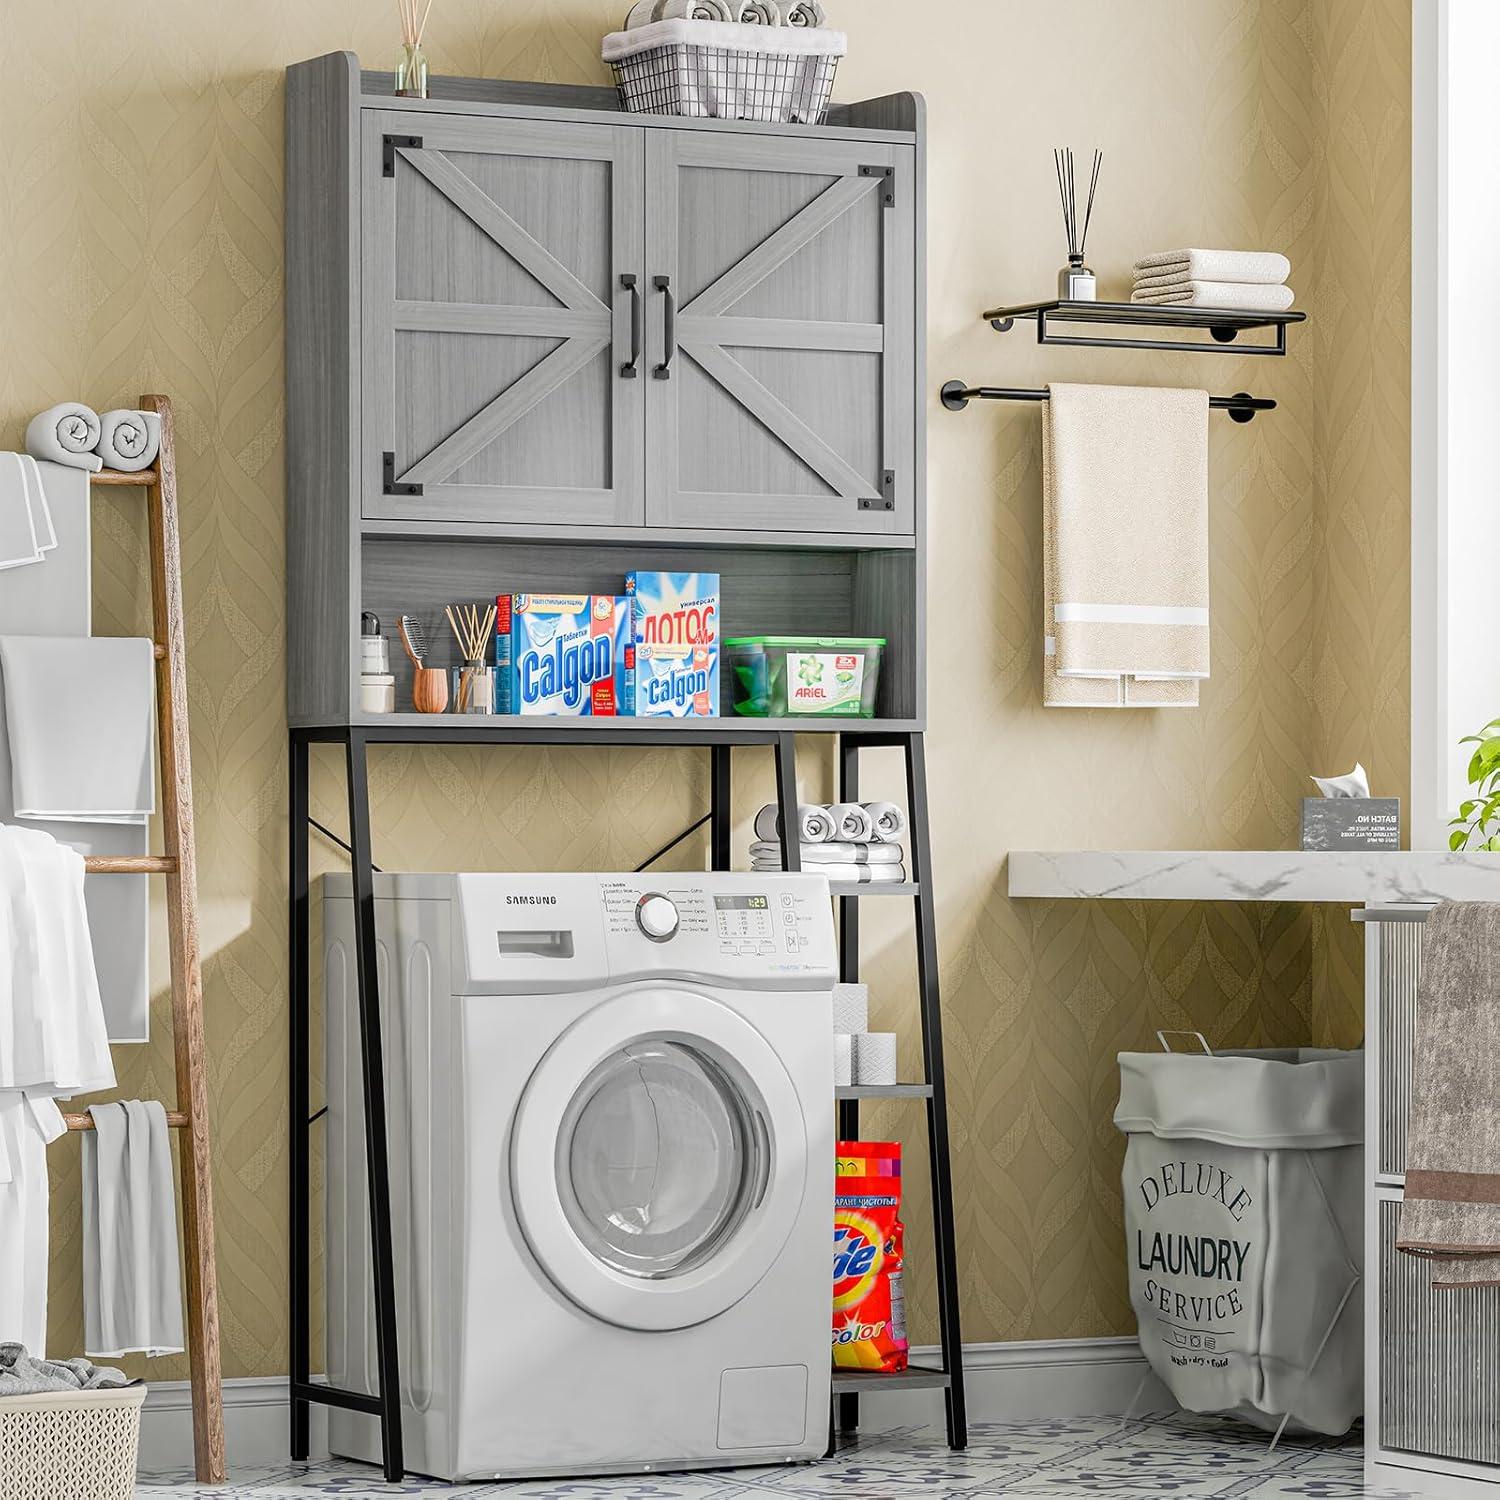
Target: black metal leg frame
{"type": "Point", "coordinates": [386, 1403]}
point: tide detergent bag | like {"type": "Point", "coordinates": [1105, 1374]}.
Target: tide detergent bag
{"type": "Point", "coordinates": [869, 1306]}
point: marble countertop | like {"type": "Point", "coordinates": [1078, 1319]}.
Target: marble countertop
{"type": "Point", "coordinates": [1347, 876]}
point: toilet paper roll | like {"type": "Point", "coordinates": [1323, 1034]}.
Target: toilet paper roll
{"type": "Point", "coordinates": [875, 1057]}
{"type": "Point", "coordinates": [843, 1061]}
{"type": "Point", "coordinates": [851, 1009]}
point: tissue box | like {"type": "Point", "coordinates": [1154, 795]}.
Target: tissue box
{"type": "Point", "coordinates": [1351, 823]}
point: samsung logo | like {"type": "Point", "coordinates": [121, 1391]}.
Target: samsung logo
{"type": "Point", "coordinates": [531, 900]}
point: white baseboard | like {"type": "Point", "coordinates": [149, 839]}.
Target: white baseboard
{"type": "Point", "coordinates": [1039, 1378]}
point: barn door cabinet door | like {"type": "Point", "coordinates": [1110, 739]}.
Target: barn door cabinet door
{"type": "Point", "coordinates": [497, 321]}
{"type": "Point", "coordinates": [781, 333]}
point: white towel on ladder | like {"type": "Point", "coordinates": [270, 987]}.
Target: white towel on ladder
{"type": "Point", "coordinates": [27, 1124]}
{"type": "Point", "coordinates": [132, 1300]}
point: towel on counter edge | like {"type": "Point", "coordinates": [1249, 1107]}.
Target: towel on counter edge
{"type": "Point", "coordinates": [129, 440]}
{"type": "Point", "coordinates": [66, 433]}
{"type": "Point", "coordinates": [831, 854]}
{"type": "Point", "coordinates": [1266, 266]}
{"type": "Point", "coordinates": [1229, 295]}
{"type": "Point", "coordinates": [80, 717]}
{"type": "Point", "coordinates": [1450, 1213]}
{"type": "Point", "coordinates": [851, 874]}
{"type": "Point", "coordinates": [1125, 546]}
{"type": "Point", "coordinates": [132, 1299]}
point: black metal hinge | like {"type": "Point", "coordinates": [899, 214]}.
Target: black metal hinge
{"type": "Point", "coordinates": [392, 485]}
{"type": "Point", "coordinates": [390, 145]}
{"type": "Point", "coordinates": [887, 497]}
{"type": "Point", "coordinates": [888, 192]}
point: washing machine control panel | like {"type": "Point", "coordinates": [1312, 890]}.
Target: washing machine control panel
{"type": "Point", "coordinates": [731, 924]}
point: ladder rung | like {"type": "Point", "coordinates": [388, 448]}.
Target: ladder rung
{"type": "Point", "coordinates": [176, 1120]}
{"type": "Point", "coordinates": [158, 651]}
{"type": "Point", "coordinates": [119, 476]}
{"type": "Point", "coordinates": [130, 864]}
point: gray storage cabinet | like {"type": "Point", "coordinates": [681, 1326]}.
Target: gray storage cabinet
{"type": "Point", "coordinates": [579, 341]}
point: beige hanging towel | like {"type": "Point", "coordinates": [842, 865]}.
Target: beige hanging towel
{"type": "Point", "coordinates": [1451, 1211]}
{"type": "Point", "coordinates": [1125, 544]}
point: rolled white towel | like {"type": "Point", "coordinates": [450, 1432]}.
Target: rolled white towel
{"type": "Point", "coordinates": [1237, 296]}
{"type": "Point", "coordinates": [851, 822]}
{"type": "Point", "coordinates": [814, 825]}
{"type": "Point", "coordinates": [649, 11]}
{"type": "Point", "coordinates": [805, 13]}
{"type": "Point", "coordinates": [758, 13]}
{"type": "Point", "coordinates": [129, 440]}
{"type": "Point", "coordinates": [888, 819]}
{"type": "Point", "coordinates": [66, 434]}
{"type": "Point", "coordinates": [1264, 266]}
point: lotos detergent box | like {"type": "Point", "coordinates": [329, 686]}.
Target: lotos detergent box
{"type": "Point", "coordinates": [674, 631]}
{"type": "Point", "coordinates": [562, 654]}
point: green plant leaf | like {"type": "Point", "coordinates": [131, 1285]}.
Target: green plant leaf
{"type": "Point", "coordinates": [1458, 838]}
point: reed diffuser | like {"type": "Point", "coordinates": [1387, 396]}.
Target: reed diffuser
{"type": "Point", "coordinates": [411, 61]}
{"type": "Point", "coordinates": [1075, 282]}
{"type": "Point", "coordinates": [474, 681]}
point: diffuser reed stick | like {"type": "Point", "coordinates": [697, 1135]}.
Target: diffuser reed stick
{"type": "Point", "coordinates": [1075, 282]}
{"type": "Point", "coordinates": [411, 61]}
{"type": "Point", "coordinates": [471, 630]}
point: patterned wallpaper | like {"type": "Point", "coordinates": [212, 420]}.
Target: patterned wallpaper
{"type": "Point", "coordinates": [140, 248]}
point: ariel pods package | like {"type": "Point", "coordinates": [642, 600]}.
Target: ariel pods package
{"type": "Point", "coordinates": [869, 1307]}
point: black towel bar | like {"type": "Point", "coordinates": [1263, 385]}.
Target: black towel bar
{"type": "Point", "coordinates": [1241, 406]}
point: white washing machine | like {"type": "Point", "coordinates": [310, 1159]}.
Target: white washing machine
{"type": "Point", "coordinates": [611, 1132]}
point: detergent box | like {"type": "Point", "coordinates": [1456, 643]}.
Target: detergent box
{"type": "Point", "coordinates": [562, 654]}
{"type": "Point", "coordinates": [674, 632]}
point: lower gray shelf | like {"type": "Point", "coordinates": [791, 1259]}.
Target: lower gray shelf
{"type": "Point", "coordinates": [883, 1091]}
{"type": "Point", "coordinates": [859, 888]}
{"type": "Point", "coordinates": [868, 1382]}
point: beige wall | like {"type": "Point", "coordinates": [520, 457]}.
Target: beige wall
{"type": "Point", "coordinates": [141, 250]}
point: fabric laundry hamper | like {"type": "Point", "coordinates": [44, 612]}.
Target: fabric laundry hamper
{"type": "Point", "coordinates": [1244, 1230]}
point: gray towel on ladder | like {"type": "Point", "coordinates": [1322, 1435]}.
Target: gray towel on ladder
{"type": "Point", "coordinates": [1451, 1210]}
{"type": "Point", "coordinates": [132, 1297]}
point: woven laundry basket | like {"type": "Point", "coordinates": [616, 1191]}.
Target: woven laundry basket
{"type": "Point", "coordinates": [70, 1445]}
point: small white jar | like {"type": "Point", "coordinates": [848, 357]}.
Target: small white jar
{"type": "Point", "coordinates": [377, 693]}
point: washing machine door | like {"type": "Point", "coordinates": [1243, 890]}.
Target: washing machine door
{"type": "Point", "coordinates": [659, 1159]}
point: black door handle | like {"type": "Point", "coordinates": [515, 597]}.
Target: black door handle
{"type": "Point", "coordinates": [663, 284]}
{"type": "Point", "coordinates": [631, 370]}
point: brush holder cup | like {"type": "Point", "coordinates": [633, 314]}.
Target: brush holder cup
{"type": "Point", "coordinates": [429, 690]}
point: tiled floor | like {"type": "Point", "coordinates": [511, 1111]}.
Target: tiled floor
{"type": "Point", "coordinates": [1143, 1459]}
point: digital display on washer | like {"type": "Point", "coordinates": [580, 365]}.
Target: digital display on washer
{"type": "Point", "coordinates": [741, 903]}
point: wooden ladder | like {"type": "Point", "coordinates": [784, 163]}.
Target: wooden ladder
{"type": "Point", "coordinates": [178, 862]}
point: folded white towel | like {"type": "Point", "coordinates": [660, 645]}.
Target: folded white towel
{"type": "Point", "coordinates": [1125, 546]}
{"type": "Point", "coordinates": [814, 825]}
{"type": "Point", "coordinates": [839, 853]}
{"type": "Point", "coordinates": [66, 434]}
{"type": "Point", "coordinates": [1231, 295]}
{"type": "Point", "coordinates": [129, 440]}
{"type": "Point", "coordinates": [1217, 265]}
{"type": "Point", "coordinates": [52, 1034]}
{"type": "Point", "coordinates": [80, 725]}
{"type": "Point", "coordinates": [27, 534]}
{"type": "Point", "coordinates": [888, 820]}
{"type": "Point", "coordinates": [55, 599]}
{"type": "Point", "coordinates": [849, 874]}
{"type": "Point", "coordinates": [131, 1265]}
{"type": "Point", "coordinates": [851, 823]}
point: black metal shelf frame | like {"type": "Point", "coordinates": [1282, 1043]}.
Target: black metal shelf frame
{"type": "Point", "coordinates": [720, 740]}
{"type": "Point", "coordinates": [955, 395]}
{"type": "Point", "coordinates": [1223, 324]}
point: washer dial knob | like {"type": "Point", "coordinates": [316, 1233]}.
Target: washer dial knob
{"type": "Point", "coordinates": [656, 916]}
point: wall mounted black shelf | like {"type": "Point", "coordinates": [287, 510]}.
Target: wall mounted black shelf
{"type": "Point", "coordinates": [955, 395]}
{"type": "Point", "coordinates": [1224, 325]}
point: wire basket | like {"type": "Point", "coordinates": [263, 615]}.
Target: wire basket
{"type": "Point", "coordinates": [78, 1444]}
{"type": "Point", "coordinates": [696, 68]}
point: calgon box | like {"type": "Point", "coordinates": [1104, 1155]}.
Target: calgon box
{"type": "Point", "coordinates": [562, 654]}
{"type": "Point", "coordinates": [674, 631]}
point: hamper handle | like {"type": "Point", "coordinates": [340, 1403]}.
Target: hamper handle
{"type": "Point", "coordinates": [1166, 1046]}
